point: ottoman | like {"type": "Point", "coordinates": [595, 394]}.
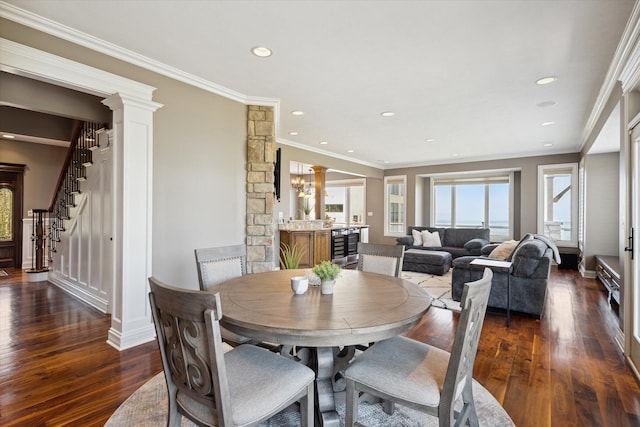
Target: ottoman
{"type": "Point", "coordinates": [421, 261]}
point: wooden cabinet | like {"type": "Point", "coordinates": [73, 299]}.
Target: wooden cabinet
{"type": "Point", "coordinates": [315, 243]}
{"type": "Point", "coordinates": [321, 246]}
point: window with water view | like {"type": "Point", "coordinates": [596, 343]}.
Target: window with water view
{"type": "Point", "coordinates": [480, 202]}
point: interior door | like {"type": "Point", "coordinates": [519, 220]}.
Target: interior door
{"type": "Point", "coordinates": [632, 247]}
{"type": "Point", "coordinates": [11, 186]}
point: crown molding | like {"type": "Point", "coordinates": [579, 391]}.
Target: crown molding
{"type": "Point", "coordinates": [624, 67]}
{"type": "Point", "coordinates": [33, 63]}
{"type": "Point", "coordinates": [80, 38]}
{"type": "Point", "coordinates": [327, 153]}
{"type": "Point", "coordinates": [458, 160]}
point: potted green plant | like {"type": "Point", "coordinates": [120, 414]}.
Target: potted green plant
{"type": "Point", "coordinates": [327, 272]}
{"type": "Point", "coordinates": [290, 256]}
{"type": "Point", "coordinates": [306, 207]}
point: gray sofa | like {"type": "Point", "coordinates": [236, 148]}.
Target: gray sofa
{"type": "Point", "coordinates": [457, 241]}
{"type": "Point", "coordinates": [531, 259]}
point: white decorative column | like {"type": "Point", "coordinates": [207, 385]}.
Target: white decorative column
{"type": "Point", "coordinates": [133, 110]}
{"type": "Point", "coordinates": [131, 322]}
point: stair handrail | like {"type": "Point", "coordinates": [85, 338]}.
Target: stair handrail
{"type": "Point", "coordinates": [67, 162]}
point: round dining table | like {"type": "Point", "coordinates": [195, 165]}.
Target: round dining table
{"type": "Point", "coordinates": [364, 308]}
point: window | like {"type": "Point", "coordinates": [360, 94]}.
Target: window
{"type": "Point", "coordinates": [6, 214]}
{"type": "Point", "coordinates": [344, 201]}
{"type": "Point", "coordinates": [481, 201]}
{"type": "Point", "coordinates": [558, 203]}
{"type": "Point", "coordinates": [395, 205]}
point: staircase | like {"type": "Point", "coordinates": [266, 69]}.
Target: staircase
{"type": "Point", "coordinates": [49, 223]}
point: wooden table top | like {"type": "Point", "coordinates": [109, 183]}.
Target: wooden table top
{"type": "Point", "coordinates": [364, 307]}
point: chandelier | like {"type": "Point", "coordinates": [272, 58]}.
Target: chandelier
{"type": "Point", "coordinates": [298, 183]}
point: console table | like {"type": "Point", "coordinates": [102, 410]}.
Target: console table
{"type": "Point", "coordinates": [498, 265]}
{"type": "Point", "coordinates": [608, 271]}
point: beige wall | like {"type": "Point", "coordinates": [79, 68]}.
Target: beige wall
{"type": "Point", "coordinates": [373, 182]}
{"type": "Point", "coordinates": [44, 163]}
{"type": "Point", "coordinates": [199, 157]}
{"type": "Point", "coordinates": [601, 207]}
{"type": "Point", "coordinates": [525, 187]}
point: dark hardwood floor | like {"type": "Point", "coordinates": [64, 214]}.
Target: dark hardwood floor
{"type": "Point", "coordinates": [564, 370]}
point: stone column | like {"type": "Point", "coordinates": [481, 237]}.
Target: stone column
{"type": "Point", "coordinates": [261, 157]}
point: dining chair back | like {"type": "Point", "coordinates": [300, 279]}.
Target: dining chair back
{"type": "Point", "coordinates": [381, 259]}
{"type": "Point", "coordinates": [427, 378]}
{"type": "Point", "coordinates": [217, 265]}
{"type": "Point", "coordinates": [241, 387]}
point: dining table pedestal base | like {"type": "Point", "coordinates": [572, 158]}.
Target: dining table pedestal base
{"type": "Point", "coordinates": [326, 415]}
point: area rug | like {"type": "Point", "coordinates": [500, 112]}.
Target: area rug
{"type": "Point", "coordinates": [439, 287]}
{"type": "Point", "coordinates": [147, 407]}
{"type": "Point", "coordinates": [3, 273]}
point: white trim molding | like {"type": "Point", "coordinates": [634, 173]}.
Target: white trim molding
{"type": "Point", "coordinates": [624, 67]}
{"type": "Point", "coordinates": [133, 109]}
{"type": "Point", "coordinates": [39, 65]}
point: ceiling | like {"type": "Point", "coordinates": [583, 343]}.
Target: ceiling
{"type": "Point", "coordinates": [459, 75]}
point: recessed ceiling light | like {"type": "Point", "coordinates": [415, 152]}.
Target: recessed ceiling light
{"type": "Point", "coordinates": [350, 151]}
{"type": "Point", "coordinates": [261, 51]}
{"type": "Point", "coordinates": [386, 161]}
{"type": "Point", "coordinates": [8, 136]}
{"type": "Point", "coordinates": [546, 80]}
{"type": "Point", "coordinates": [298, 113]}
{"type": "Point", "coordinates": [455, 154]}
{"type": "Point", "coordinates": [546, 104]}
{"type": "Point", "coordinates": [388, 114]}
{"type": "Point", "coordinates": [548, 144]}
{"type": "Point", "coordinates": [547, 123]}
{"type": "Point", "coordinates": [429, 140]}
{"type": "Point", "coordinates": [293, 133]}
{"type": "Point", "coordinates": [323, 142]}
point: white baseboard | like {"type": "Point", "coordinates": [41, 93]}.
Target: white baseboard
{"type": "Point", "coordinates": [121, 341]}
{"type": "Point", "coordinates": [588, 274]}
{"type": "Point", "coordinates": [76, 290]}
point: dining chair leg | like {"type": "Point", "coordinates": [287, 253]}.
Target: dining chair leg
{"type": "Point", "coordinates": [351, 404]}
{"type": "Point", "coordinates": [469, 405]}
{"type": "Point", "coordinates": [388, 407]}
{"type": "Point", "coordinates": [307, 404]}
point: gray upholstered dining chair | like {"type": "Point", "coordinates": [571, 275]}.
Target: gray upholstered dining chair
{"type": "Point", "coordinates": [381, 259]}
{"type": "Point", "coordinates": [241, 387]}
{"type": "Point", "coordinates": [423, 377]}
{"type": "Point", "coordinates": [217, 265]}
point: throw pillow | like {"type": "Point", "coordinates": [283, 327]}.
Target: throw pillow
{"type": "Point", "coordinates": [430, 239]}
{"type": "Point", "coordinates": [417, 237]}
{"type": "Point", "coordinates": [503, 250]}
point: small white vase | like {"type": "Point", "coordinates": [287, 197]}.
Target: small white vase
{"type": "Point", "coordinates": [326, 287]}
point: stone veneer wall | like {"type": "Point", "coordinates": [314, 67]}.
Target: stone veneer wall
{"type": "Point", "coordinates": [261, 157]}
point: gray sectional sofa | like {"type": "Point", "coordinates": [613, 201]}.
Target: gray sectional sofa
{"type": "Point", "coordinates": [456, 241]}
{"type": "Point", "coordinates": [532, 259]}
